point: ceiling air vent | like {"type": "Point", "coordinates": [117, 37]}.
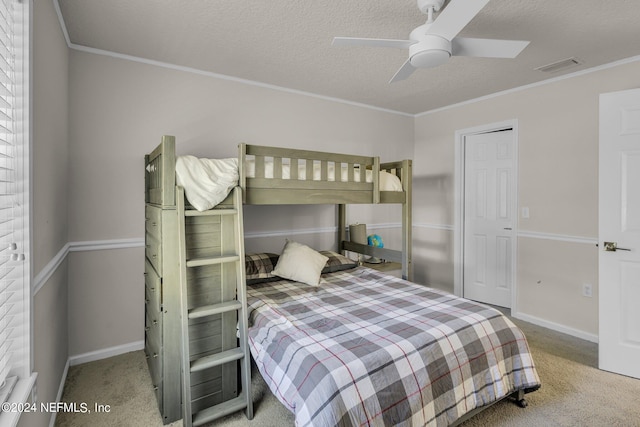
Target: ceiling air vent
{"type": "Point", "coordinates": [560, 65]}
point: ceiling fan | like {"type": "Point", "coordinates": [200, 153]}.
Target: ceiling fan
{"type": "Point", "coordinates": [433, 43]}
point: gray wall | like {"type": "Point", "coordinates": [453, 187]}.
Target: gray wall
{"type": "Point", "coordinates": [558, 181]}
{"type": "Point", "coordinates": [50, 181]}
{"type": "Point", "coordinates": [209, 116]}
{"type": "Point", "coordinates": [119, 109]}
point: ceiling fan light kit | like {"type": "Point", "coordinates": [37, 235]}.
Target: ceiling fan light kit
{"type": "Point", "coordinates": [430, 52]}
{"type": "Point", "coordinates": [430, 44]}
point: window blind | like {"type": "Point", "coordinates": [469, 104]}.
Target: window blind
{"type": "Point", "coordinates": [13, 298]}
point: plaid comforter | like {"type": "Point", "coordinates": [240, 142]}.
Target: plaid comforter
{"type": "Point", "coordinates": [367, 349]}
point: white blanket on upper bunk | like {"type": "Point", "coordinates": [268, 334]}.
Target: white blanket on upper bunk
{"type": "Point", "coordinates": [206, 182]}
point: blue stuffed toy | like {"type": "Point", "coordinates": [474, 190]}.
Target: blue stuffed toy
{"type": "Point", "coordinates": [375, 240]}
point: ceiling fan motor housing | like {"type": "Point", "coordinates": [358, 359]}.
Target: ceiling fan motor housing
{"type": "Point", "coordinates": [430, 52]}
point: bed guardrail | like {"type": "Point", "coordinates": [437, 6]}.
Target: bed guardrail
{"type": "Point", "coordinates": [273, 175]}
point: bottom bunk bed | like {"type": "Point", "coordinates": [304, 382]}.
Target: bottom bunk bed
{"type": "Point", "coordinates": [364, 348]}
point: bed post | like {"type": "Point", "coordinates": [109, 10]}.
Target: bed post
{"type": "Point", "coordinates": [147, 182]}
{"type": "Point", "coordinates": [242, 173]}
{"type": "Point", "coordinates": [168, 170]}
{"type": "Point", "coordinates": [407, 266]}
{"type": "Point", "coordinates": [376, 180]}
{"type": "Point", "coordinates": [342, 227]}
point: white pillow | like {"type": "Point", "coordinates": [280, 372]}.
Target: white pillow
{"type": "Point", "coordinates": [389, 182]}
{"type": "Point", "coordinates": [300, 263]}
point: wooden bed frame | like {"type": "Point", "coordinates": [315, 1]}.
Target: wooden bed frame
{"type": "Point", "coordinates": [263, 190]}
{"type": "Point", "coordinates": [260, 189]}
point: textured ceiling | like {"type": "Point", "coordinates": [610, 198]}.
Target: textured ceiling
{"type": "Point", "coordinates": [287, 43]}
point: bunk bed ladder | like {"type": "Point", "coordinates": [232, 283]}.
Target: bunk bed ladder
{"type": "Point", "coordinates": [213, 292]}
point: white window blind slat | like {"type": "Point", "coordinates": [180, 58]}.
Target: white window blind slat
{"type": "Point", "coordinates": [6, 40]}
{"type": "Point", "coordinates": [4, 116]}
{"type": "Point", "coordinates": [4, 52]}
{"type": "Point", "coordinates": [5, 130]}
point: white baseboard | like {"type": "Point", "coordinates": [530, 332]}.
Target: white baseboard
{"type": "Point", "coordinates": [556, 327]}
{"type": "Point", "coordinates": [65, 372]}
{"type": "Point", "coordinates": [544, 323]}
{"type": "Point", "coordinates": [92, 356]}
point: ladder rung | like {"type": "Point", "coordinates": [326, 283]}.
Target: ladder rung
{"type": "Point", "coordinates": [220, 410]}
{"type": "Point", "coordinates": [216, 359]}
{"type": "Point", "coordinates": [198, 262]}
{"type": "Point", "coordinates": [210, 212]}
{"type": "Point", "coordinates": [210, 310]}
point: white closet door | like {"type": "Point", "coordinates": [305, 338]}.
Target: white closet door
{"type": "Point", "coordinates": [489, 217]}
{"type": "Point", "coordinates": [619, 218]}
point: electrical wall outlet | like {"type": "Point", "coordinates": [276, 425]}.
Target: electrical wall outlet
{"type": "Point", "coordinates": [587, 290]}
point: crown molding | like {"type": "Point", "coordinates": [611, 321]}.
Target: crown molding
{"type": "Point", "coordinates": [87, 49]}
{"type": "Point", "coordinates": [533, 85]}
{"type": "Point", "coordinates": [191, 70]}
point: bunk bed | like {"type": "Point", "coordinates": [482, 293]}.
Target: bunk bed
{"type": "Point", "coordinates": [282, 176]}
{"type": "Point", "coordinates": [357, 346]}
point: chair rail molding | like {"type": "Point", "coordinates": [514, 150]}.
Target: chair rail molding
{"type": "Point", "coordinates": [93, 245]}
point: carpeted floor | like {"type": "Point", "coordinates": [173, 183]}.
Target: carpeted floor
{"type": "Point", "coordinates": [574, 392]}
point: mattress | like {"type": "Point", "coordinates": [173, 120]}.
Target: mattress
{"type": "Point", "coordinates": [365, 348]}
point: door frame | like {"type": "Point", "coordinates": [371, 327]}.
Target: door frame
{"type": "Point", "coordinates": [458, 226]}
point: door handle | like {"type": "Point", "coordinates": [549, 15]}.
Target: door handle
{"type": "Point", "coordinates": [613, 246]}
{"type": "Point", "coordinates": [507, 228]}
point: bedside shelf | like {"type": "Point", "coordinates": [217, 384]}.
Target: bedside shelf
{"type": "Point", "coordinates": [387, 267]}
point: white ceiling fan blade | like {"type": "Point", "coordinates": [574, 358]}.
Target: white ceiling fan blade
{"type": "Point", "coordinates": [405, 71]}
{"type": "Point", "coordinates": [356, 41]}
{"type": "Point", "coordinates": [455, 16]}
{"type": "Point", "coordinates": [487, 48]}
